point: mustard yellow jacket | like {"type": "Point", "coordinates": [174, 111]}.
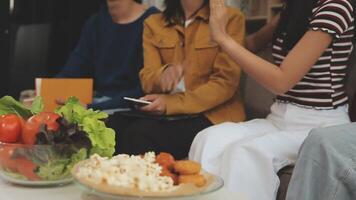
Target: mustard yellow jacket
{"type": "Point", "coordinates": [211, 77]}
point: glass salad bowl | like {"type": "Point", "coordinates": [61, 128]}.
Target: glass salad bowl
{"type": "Point", "coordinates": [39, 165]}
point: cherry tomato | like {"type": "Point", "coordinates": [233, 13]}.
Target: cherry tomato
{"type": "Point", "coordinates": [32, 125]}
{"type": "Point", "coordinates": [166, 160]}
{"type": "Point", "coordinates": [27, 168]}
{"type": "Point", "coordinates": [6, 161]}
{"type": "Point", "coordinates": [10, 128]}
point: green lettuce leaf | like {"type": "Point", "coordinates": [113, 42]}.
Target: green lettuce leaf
{"type": "Point", "coordinates": [54, 170]}
{"type": "Point", "coordinates": [103, 139]}
{"type": "Point", "coordinates": [82, 154]}
{"type": "Point", "coordinates": [90, 121]}
{"type": "Point", "coordinates": [61, 168]}
{"type": "Point", "coordinates": [66, 111]}
{"type": "Point", "coordinates": [74, 112]}
{"type": "Point", "coordinates": [37, 105]}
{"type": "Point", "coordinates": [9, 105]}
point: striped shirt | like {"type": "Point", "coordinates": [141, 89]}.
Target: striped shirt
{"type": "Point", "coordinates": [323, 87]}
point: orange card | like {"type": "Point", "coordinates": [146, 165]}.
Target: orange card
{"type": "Point", "coordinates": [51, 89]}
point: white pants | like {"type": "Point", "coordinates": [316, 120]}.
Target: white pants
{"type": "Point", "coordinates": [248, 155]}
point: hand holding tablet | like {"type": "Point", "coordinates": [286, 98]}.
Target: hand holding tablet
{"type": "Point", "coordinates": [137, 102]}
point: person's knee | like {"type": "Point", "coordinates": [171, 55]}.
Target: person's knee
{"type": "Point", "coordinates": [330, 136]}
{"type": "Point", "coordinates": [217, 130]}
{"type": "Point", "coordinates": [317, 137]}
{"type": "Point", "coordinates": [206, 140]}
{"type": "Point", "coordinates": [253, 148]}
{"type": "Point", "coordinates": [316, 144]}
{"type": "Point", "coordinates": [209, 134]}
{"type": "Point", "coordinates": [243, 149]}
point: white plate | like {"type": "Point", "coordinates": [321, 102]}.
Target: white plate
{"type": "Point", "coordinates": [94, 194]}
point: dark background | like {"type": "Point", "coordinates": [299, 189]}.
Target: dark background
{"type": "Point", "coordinates": [31, 55]}
{"type": "Point", "coordinates": [65, 19]}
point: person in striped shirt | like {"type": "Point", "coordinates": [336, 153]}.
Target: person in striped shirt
{"type": "Point", "coordinates": [312, 41]}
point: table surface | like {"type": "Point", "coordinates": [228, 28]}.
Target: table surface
{"type": "Point", "coordinates": [71, 192]}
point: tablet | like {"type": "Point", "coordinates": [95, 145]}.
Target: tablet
{"type": "Point", "coordinates": [137, 102]}
{"type": "Point", "coordinates": [139, 114]}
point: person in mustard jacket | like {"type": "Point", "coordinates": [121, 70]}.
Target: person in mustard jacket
{"type": "Point", "coordinates": [184, 73]}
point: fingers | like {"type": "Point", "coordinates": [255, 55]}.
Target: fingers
{"type": "Point", "coordinates": [164, 84]}
{"type": "Point", "coordinates": [171, 78]}
{"type": "Point", "coordinates": [150, 108]}
{"type": "Point", "coordinates": [170, 81]}
{"type": "Point", "coordinates": [167, 85]}
{"type": "Point", "coordinates": [217, 7]}
{"type": "Point", "coordinates": [218, 20]}
{"type": "Point", "coordinates": [221, 3]}
{"type": "Point", "coordinates": [171, 85]}
{"type": "Point", "coordinates": [215, 4]}
{"type": "Point", "coordinates": [28, 101]}
{"type": "Point", "coordinates": [150, 97]}
{"type": "Point", "coordinates": [212, 5]}
{"type": "Point", "coordinates": [60, 101]}
{"type": "Point", "coordinates": [178, 74]}
{"type": "Point", "coordinates": [167, 80]}
{"type": "Point", "coordinates": [180, 70]}
{"type": "Point", "coordinates": [176, 82]}
{"type": "Point", "coordinates": [156, 107]}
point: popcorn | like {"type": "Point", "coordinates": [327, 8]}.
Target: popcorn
{"type": "Point", "coordinates": [127, 171]}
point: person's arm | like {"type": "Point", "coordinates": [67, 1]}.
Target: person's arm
{"type": "Point", "coordinates": [280, 79]}
{"type": "Point", "coordinates": [157, 77]}
{"type": "Point", "coordinates": [80, 61]}
{"type": "Point", "coordinates": [277, 79]}
{"type": "Point", "coordinates": [260, 39]}
{"type": "Point", "coordinates": [151, 73]}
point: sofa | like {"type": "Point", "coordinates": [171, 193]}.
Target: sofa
{"type": "Point", "coordinates": [258, 101]}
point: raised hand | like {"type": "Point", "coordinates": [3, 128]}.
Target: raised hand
{"type": "Point", "coordinates": [158, 105]}
{"type": "Point", "coordinates": [218, 20]}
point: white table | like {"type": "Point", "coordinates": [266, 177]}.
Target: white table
{"type": "Point", "coordinates": [71, 192]}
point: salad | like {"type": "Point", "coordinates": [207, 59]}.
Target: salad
{"type": "Point", "coordinates": [44, 146]}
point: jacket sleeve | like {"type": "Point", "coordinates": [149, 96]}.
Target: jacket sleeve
{"type": "Point", "coordinates": [153, 68]}
{"type": "Point", "coordinates": [222, 83]}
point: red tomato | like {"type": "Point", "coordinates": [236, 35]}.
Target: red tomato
{"type": "Point", "coordinates": [5, 158]}
{"type": "Point", "coordinates": [10, 128]}
{"type": "Point", "coordinates": [32, 125]}
{"type": "Point", "coordinates": [166, 160]}
{"type": "Point", "coordinates": [27, 168]}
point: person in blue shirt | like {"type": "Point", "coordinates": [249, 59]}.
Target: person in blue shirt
{"type": "Point", "coordinates": [110, 51]}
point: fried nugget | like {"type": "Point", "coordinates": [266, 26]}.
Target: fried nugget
{"type": "Point", "coordinates": [187, 167]}
{"type": "Point", "coordinates": [165, 160]}
{"type": "Point", "coordinates": [197, 180]}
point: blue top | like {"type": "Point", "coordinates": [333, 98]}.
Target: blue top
{"type": "Point", "coordinates": [111, 54]}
